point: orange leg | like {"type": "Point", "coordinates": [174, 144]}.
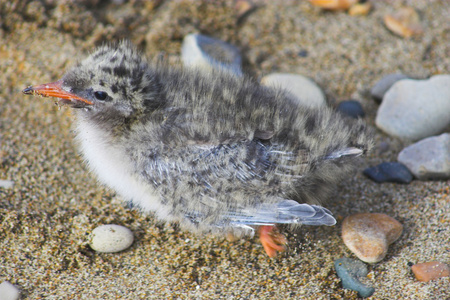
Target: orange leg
{"type": "Point", "coordinates": [272, 240]}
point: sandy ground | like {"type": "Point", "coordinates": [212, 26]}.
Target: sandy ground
{"type": "Point", "coordinates": [55, 203]}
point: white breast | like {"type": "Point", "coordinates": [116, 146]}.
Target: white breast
{"type": "Point", "coordinates": [113, 167]}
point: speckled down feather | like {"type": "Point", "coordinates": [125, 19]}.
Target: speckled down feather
{"type": "Point", "coordinates": [211, 151]}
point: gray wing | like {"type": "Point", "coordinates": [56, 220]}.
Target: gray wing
{"type": "Point", "coordinates": [284, 212]}
{"type": "Point", "coordinates": [208, 170]}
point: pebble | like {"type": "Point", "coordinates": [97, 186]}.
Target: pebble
{"type": "Point", "coordinates": [351, 108]}
{"type": "Point", "coordinates": [6, 184]}
{"type": "Point", "coordinates": [389, 172]}
{"type": "Point", "coordinates": [349, 271]}
{"type": "Point", "coordinates": [384, 84]}
{"type": "Point", "coordinates": [428, 158]}
{"type": "Point", "coordinates": [334, 4]}
{"type": "Point", "coordinates": [368, 235]}
{"type": "Point", "coordinates": [303, 88]}
{"type": "Point", "coordinates": [208, 53]}
{"type": "Point", "coordinates": [244, 7]}
{"type": "Point", "coordinates": [111, 238]}
{"type": "Point", "coordinates": [9, 291]}
{"type": "Point", "coordinates": [383, 147]}
{"type": "Point", "coordinates": [360, 9]}
{"type": "Point", "coordinates": [430, 270]}
{"type": "Point", "coordinates": [416, 109]}
{"type": "Point", "coordinates": [405, 22]}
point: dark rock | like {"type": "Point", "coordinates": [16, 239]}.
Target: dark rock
{"type": "Point", "coordinates": [351, 108]}
{"type": "Point", "coordinates": [389, 172]}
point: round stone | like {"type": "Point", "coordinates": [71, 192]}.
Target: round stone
{"type": "Point", "coordinates": [6, 184]}
{"type": "Point", "coordinates": [351, 108]}
{"type": "Point", "coordinates": [368, 235]}
{"type": "Point", "coordinates": [302, 88]}
{"type": "Point", "coordinates": [9, 291]}
{"type": "Point", "coordinates": [416, 109]}
{"type": "Point", "coordinates": [208, 53]}
{"type": "Point", "coordinates": [389, 172]}
{"type": "Point", "coordinates": [111, 238]}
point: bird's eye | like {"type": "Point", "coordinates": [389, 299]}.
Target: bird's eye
{"type": "Point", "coordinates": [100, 95]}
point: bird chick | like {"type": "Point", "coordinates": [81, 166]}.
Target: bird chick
{"type": "Point", "coordinates": [213, 152]}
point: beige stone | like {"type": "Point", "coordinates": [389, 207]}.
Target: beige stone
{"type": "Point", "coordinates": [368, 235]}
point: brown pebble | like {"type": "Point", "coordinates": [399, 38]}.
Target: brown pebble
{"type": "Point", "coordinates": [405, 22]}
{"type": "Point", "coordinates": [430, 270]}
{"type": "Point", "coordinates": [334, 4]}
{"type": "Point", "coordinates": [368, 235]}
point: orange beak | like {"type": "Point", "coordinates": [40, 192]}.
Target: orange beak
{"type": "Point", "coordinates": [54, 89]}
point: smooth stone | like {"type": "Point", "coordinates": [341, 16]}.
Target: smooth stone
{"type": "Point", "coordinates": [389, 172]}
{"type": "Point", "coordinates": [428, 158]}
{"type": "Point", "coordinates": [349, 271]}
{"type": "Point", "coordinates": [384, 84]}
{"type": "Point", "coordinates": [334, 4]}
{"type": "Point", "coordinates": [416, 109]}
{"type": "Point", "coordinates": [111, 238]}
{"type": "Point", "coordinates": [360, 9]}
{"type": "Point", "coordinates": [351, 108]}
{"type": "Point", "coordinates": [430, 270]}
{"type": "Point", "coordinates": [405, 22]}
{"type": "Point", "coordinates": [6, 184]}
{"type": "Point", "coordinates": [208, 53]}
{"type": "Point", "coordinates": [368, 235]}
{"type": "Point", "coordinates": [306, 91]}
{"type": "Point", "coordinates": [9, 291]}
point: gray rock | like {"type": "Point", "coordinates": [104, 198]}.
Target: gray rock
{"type": "Point", "coordinates": [208, 53]}
{"type": "Point", "coordinates": [384, 84]}
{"type": "Point", "coordinates": [416, 109]}
{"type": "Point", "coordinates": [304, 89]}
{"type": "Point", "coordinates": [9, 291]}
{"type": "Point", "coordinates": [111, 238]}
{"type": "Point", "coordinates": [428, 158]}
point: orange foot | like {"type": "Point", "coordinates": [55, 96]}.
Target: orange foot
{"type": "Point", "coordinates": [272, 240]}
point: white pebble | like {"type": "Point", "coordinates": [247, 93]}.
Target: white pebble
{"type": "Point", "coordinates": [7, 184]}
{"type": "Point", "coordinates": [416, 109]}
{"type": "Point", "coordinates": [304, 89]}
{"type": "Point", "coordinates": [111, 238]}
{"type": "Point", "coordinates": [8, 291]}
{"type": "Point", "coordinates": [207, 53]}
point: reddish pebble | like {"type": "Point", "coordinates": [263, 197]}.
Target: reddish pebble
{"type": "Point", "coordinates": [430, 270]}
{"type": "Point", "coordinates": [368, 235]}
